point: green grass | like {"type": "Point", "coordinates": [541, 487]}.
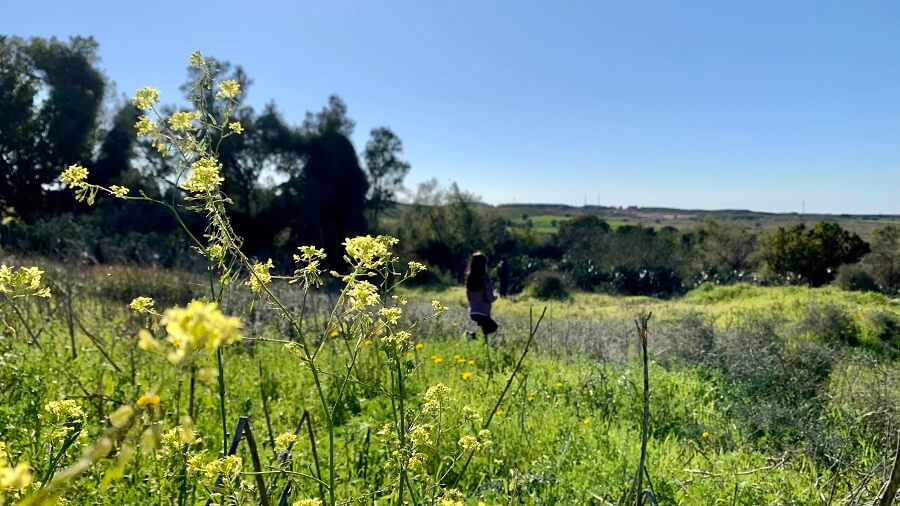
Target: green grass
{"type": "Point", "coordinates": [568, 433]}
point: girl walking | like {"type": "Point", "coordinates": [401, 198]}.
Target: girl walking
{"type": "Point", "coordinates": [480, 293]}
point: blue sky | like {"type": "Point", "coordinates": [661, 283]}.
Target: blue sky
{"type": "Point", "coordinates": [717, 104]}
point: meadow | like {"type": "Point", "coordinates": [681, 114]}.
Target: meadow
{"type": "Point", "coordinates": [758, 395]}
{"type": "Point", "coordinates": [330, 380]}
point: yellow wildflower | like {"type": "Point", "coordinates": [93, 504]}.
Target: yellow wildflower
{"type": "Point", "coordinates": [391, 314]}
{"type": "Point", "coordinates": [416, 267]}
{"type": "Point", "coordinates": [436, 359]}
{"type": "Point", "coordinates": [196, 327]}
{"type": "Point", "coordinates": [705, 435]}
{"type": "Point", "coordinates": [148, 399]}
{"type": "Point", "coordinates": [74, 176]}
{"type": "Point", "coordinates": [361, 294]}
{"type": "Point", "coordinates": [228, 89]}
{"type": "Point", "coordinates": [438, 308]}
{"type": "Point", "coordinates": [205, 176]}
{"type": "Point", "coordinates": [435, 399]}
{"type": "Point", "coordinates": [142, 304]}
{"type": "Point", "coordinates": [64, 412]}
{"type": "Point", "coordinates": [307, 502]}
{"type": "Point", "coordinates": [119, 191]}
{"type": "Point", "coordinates": [236, 127]}
{"type": "Point", "coordinates": [146, 127]}
{"type": "Point", "coordinates": [145, 98]}
{"type": "Point", "coordinates": [196, 59]}
{"type": "Point", "coordinates": [419, 346]}
{"type": "Point", "coordinates": [466, 375]}
{"type": "Point", "coordinates": [26, 281]}
{"type": "Point", "coordinates": [586, 421]}
{"type": "Point", "coordinates": [15, 478]}
{"type": "Point", "coordinates": [283, 441]}
{"type": "Point", "coordinates": [260, 276]}
{"type": "Point", "coordinates": [183, 120]}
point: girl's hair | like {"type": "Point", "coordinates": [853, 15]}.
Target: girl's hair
{"type": "Point", "coordinates": [476, 271]}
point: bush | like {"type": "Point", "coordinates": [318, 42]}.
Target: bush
{"type": "Point", "coordinates": [653, 281]}
{"type": "Point", "coordinates": [885, 326]}
{"type": "Point", "coordinates": [855, 277]}
{"type": "Point", "coordinates": [831, 324]}
{"type": "Point", "coordinates": [546, 285]}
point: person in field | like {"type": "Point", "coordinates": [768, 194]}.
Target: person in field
{"type": "Point", "coordinates": [503, 273]}
{"type": "Point", "coordinates": [480, 292]}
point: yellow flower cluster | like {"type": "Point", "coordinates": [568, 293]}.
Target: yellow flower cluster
{"type": "Point", "coordinates": [119, 191]}
{"type": "Point", "coordinates": [148, 399]}
{"type": "Point", "coordinates": [396, 345]}
{"type": "Point", "coordinates": [205, 176]}
{"type": "Point", "coordinates": [229, 467]}
{"type": "Point", "coordinates": [309, 274]}
{"type": "Point", "coordinates": [183, 120]}
{"type": "Point", "coordinates": [199, 326]}
{"type": "Point", "coordinates": [369, 252]}
{"type": "Point", "coordinates": [228, 89]}
{"type": "Point", "coordinates": [438, 307]}
{"type": "Point", "coordinates": [74, 176]}
{"type": "Point", "coordinates": [63, 412]}
{"type": "Point", "coordinates": [13, 478]}
{"type": "Point", "coordinates": [452, 497]}
{"type": "Point", "coordinates": [475, 444]}
{"type": "Point", "coordinates": [145, 98]}
{"type": "Point", "coordinates": [471, 414]}
{"type": "Point", "coordinates": [435, 399]}
{"type": "Point", "coordinates": [146, 127]}
{"type": "Point", "coordinates": [236, 127]}
{"type": "Point", "coordinates": [216, 252]}
{"type": "Point", "coordinates": [416, 267]}
{"type": "Point", "coordinates": [307, 502]}
{"type": "Point", "coordinates": [283, 441]}
{"type": "Point", "coordinates": [22, 282]}
{"type": "Point", "coordinates": [391, 315]}
{"type": "Point", "coordinates": [142, 304]}
{"type": "Point", "coordinates": [361, 294]}
{"type": "Point", "coordinates": [260, 276]}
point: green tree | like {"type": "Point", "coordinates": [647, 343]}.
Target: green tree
{"type": "Point", "coordinates": [385, 170]}
{"type": "Point", "coordinates": [883, 262]}
{"type": "Point", "coordinates": [49, 114]}
{"type": "Point", "coordinates": [724, 249]}
{"type": "Point", "coordinates": [443, 226]}
{"type": "Point", "coordinates": [814, 254]}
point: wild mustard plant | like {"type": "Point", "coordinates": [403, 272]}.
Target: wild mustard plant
{"type": "Point", "coordinates": [366, 310]}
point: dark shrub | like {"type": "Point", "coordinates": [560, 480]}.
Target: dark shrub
{"type": "Point", "coordinates": [654, 281]}
{"type": "Point", "coordinates": [886, 326]}
{"type": "Point", "coordinates": [855, 277]}
{"type": "Point", "coordinates": [546, 285]}
{"type": "Point", "coordinates": [830, 323]}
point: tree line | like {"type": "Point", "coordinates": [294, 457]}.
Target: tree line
{"type": "Point", "coordinates": [288, 185]}
{"type": "Point", "coordinates": [291, 185]}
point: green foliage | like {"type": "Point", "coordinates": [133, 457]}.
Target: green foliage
{"type": "Point", "coordinates": [812, 254]}
{"type": "Point", "coordinates": [384, 169]}
{"type": "Point", "coordinates": [547, 285]}
{"type": "Point", "coordinates": [38, 136]}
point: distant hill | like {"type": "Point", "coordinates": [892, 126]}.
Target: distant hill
{"type": "Point", "coordinates": [662, 216]}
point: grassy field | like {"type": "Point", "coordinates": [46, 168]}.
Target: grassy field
{"type": "Point", "coordinates": [759, 395]}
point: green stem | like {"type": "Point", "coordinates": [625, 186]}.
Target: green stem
{"type": "Point", "coordinates": [221, 367]}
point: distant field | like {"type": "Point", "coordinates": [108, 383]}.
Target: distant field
{"type": "Point", "coordinates": [660, 217]}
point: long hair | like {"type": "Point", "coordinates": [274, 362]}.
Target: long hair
{"type": "Point", "coordinates": [476, 271]}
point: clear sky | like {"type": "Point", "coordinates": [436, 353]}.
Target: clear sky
{"type": "Point", "coordinates": [715, 104]}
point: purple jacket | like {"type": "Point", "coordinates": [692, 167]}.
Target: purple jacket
{"type": "Point", "coordinates": [480, 300]}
